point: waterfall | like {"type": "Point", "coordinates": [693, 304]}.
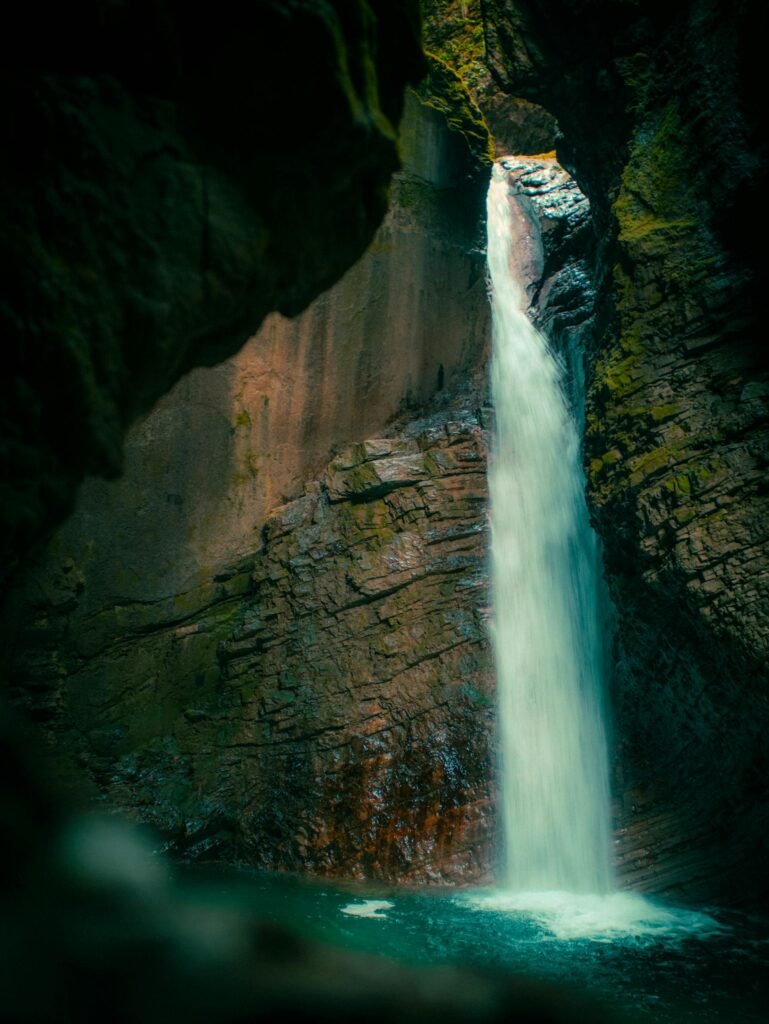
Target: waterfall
{"type": "Point", "coordinates": [548, 635]}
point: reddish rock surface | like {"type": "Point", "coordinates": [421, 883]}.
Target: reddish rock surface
{"type": "Point", "coordinates": [230, 443]}
{"type": "Point", "coordinates": [358, 675]}
{"type": "Point", "coordinates": [330, 708]}
{"type": "Point", "coordinates": [162, 189]}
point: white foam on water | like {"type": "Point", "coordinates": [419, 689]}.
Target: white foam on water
{"type": "Point", "coordinates": [605, 917]}
{"type": "Point", "coordinates": [368, 908]}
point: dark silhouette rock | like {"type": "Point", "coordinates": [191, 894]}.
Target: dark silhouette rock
{"type": "Point", "coordinates": [169, 177]}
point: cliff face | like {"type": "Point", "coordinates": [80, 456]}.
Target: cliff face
{"type": "Point", "coordinates": [158, 200]}
{"type": "Point", "coordinates": [329, 708]}
{"type": "Point", "coordinates": [453, 30]}
{"type": "Point", "coordinates": [275, 685]}
{"type": "Point", "coordinates": [662, 129]}
{"type": "Point", "coordinates": [349, 726]}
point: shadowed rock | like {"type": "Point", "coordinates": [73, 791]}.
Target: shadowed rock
{"type": "Point", "coordinates": [171, 176]}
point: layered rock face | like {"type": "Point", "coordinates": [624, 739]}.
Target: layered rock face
{"type": "Point", "coordinates": [661, 125]}
{"type": "Point", "coordinates": [196, 656]}
{"type": "Point", "coordinates": [662, 130]}
{"type": "Point", "coordinates": [159, 198]}
{"type": "Point", "coordinates": [354, 683]}
{"type": "Point", "coordinates": [329, 708]}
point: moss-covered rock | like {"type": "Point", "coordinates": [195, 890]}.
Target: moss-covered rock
{"type": "Point", "coordinates": [454, 35]}
{"type": "Point", "coordinates": [445, 91]}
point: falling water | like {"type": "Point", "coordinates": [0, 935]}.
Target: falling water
{"type": "Point", "coordinates": [546, 580]}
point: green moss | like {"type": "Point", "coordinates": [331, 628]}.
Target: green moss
{"type": "Point", "coordinates": [362, 478]}
{"type": "Point", "coordinates": [649, 463]}
{"type": "Point", "coordinates": [662, 228]}
{"type": "Point", "coordinates": [680, 484]}
{"type": "Point", "coordinates": [660, 413]}
{"type": "Point", "coordinates": [609, 458]}
{"type": "Point", "coordinates": [619, 376]}
{"type": "Point", "coordinates": [705, 474]}
{"type": "Point", "coordinates": [444, 91]}
{"type": "Point", "coordinates": [635, 227]}
{"type": "Point", "coordinates": [453, 31]}
{"type": "Point", "coordinates": [619, 371]}
{"type": "Point", "coordinates": [684, 514]}
{"type": "Point", "coordinates": [656, 181]}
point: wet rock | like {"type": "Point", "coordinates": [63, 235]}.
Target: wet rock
{"type": "Point", "coordinates": [374, 477]}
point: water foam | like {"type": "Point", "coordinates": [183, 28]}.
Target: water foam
{"type": "Point", "coordinates": [368, 908]}
{"type": "Point", "coordinates": [606, 917]}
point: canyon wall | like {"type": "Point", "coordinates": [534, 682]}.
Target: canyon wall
{"type": "Point", "coordinates": [232, 442]}
{"type": "Point", "coordinates": [252, 643]}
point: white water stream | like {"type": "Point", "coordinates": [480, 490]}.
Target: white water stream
{"type": "Point", "coordinates": [546, 579]}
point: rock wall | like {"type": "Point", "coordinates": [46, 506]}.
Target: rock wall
{"type": "Point", "coordinates": [158, 199]}
{"type": "Point", "coordinates": [661, 127]}
{"type": "Point", "coordinates": [348, 728]}
{"type": "Point", "coordinates": [453, 31]}
{"type": "Point", "coordinates": [124, 640]}
{"type": "Point", "coordinates": [230, 443]}
{"type": "Point", "coordinates": [329, 709]}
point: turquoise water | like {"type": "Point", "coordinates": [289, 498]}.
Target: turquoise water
{"type": "Point", "coordinates": [650, 961]}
